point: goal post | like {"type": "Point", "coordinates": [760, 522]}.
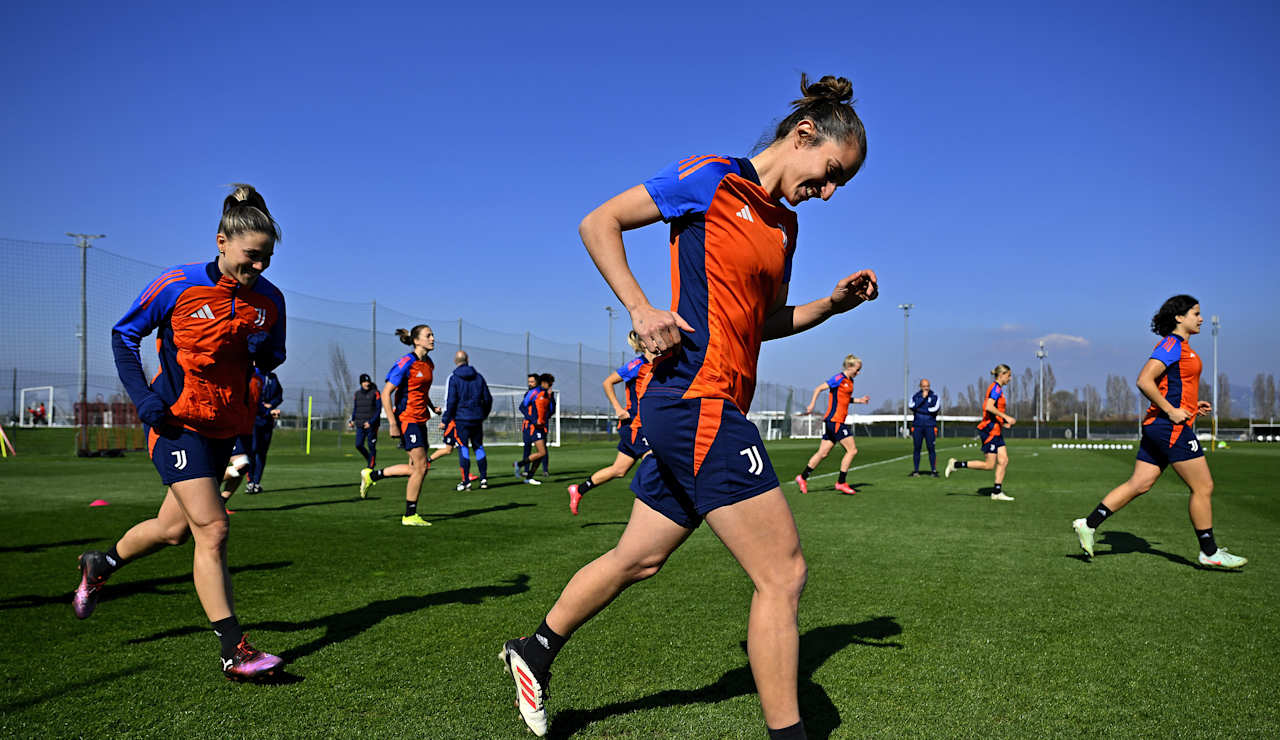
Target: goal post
{"type": "Point", "coordinates": [30, 400]}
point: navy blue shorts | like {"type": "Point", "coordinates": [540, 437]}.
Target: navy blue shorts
{"type": "Point", "coordinates": [534, 433]}
{"type": "Point", "coordinates": [632, 442]}
{"type": "Point", "coordinates": [450, 435]}
{"type": "Point", "coordinates": [833, 432]}
{"type": "Point", "coordinates": [185, 455]}
{"type": "Point", "coordinates": [413, 435]}
{"type": "Point", "coordinates": [990, 442]}
{"type": "Point", "coordinates": [469, 433]}
{"type": "Point", "coordinates": [705, 455]}
{"type": "Point", "coordinates": [1163, 443]}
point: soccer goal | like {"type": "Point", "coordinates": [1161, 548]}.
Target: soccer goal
{"type": "Point", "coordinates": [503, 427]}
{"type": "Point", "coordinates": [32, 402]}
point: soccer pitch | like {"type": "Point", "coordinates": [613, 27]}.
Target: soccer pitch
{"type": "Point", "coordinates": [931, 611]}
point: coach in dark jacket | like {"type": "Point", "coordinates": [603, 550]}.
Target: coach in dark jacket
{"type": "Point", "coordinates": [925, 406]}
{"type": "Point", "coordinates": [468, 405]}
{"type": "Point", "coordinates": [366, 412]}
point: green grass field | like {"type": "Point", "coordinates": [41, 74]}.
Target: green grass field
{"type": "Point", "coordinates": [931, 611]}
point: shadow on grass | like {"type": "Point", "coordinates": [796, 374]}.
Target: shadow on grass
{"type": "Point", "coordinates": [354, 485]}
{"type": "Point", "coordinates": [48, 545]}
{"type": "Point", "coordinates": [113, 592]}
{"type": "Point", "coordinates": [465, 513]}
{"type": "Point", "coordinates": [72, 687]}
{"type": "Point", "coordinates": [346, 625]}
{"type": "Point", "coordinates": [821, 717]}
{"type": "Point", "coordinates": [1123, 543]}
{"type": "Point", "coordinates": [604, 524]}
{"type": "Point", "coordinates": [355, 498]}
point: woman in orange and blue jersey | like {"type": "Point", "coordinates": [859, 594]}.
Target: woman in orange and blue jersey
{"type": "Point", "coordinates": [834, 430]}
{"type": "Point", "coordinates": [213, 321]}
{"type": "Point", "coordinates": [732, 239]}
{"type": "Point", "coordinates": [407, 402]}
{"type": "Point", "coordinates": [632, 445]}
{"type": "Point", "coordinates": [990, 434]}
{"type": "Point", "coordinates": [1171, 380]}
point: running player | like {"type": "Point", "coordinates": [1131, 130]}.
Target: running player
{"type": "Point", "coordinates": [409, 380]}
{"type": "Point", "coordinates": [989, 433]}
{"type": "Point", "coordinates": [631, 443]}
{"type": "Point", "coordinates": [834, 430]}
{"type": "Point", "coordinates": [1171, 380]}
{"type": "Point", "coordinates": [215, 321]}
{"type": "Point", "coordinates": [541, 409]}
{"type": "Point", "coordinates": [732, 239]}
{"type": "Point", "coordinates": [468, 405]}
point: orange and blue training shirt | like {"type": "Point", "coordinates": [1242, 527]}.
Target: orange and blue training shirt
{"type": "Point", "coordinates": [206, 325]}
{"type": "Point", "coordinates": [731, 249]}
{"type": "Point", "coordinates": [541, 407]}
{"type": "Point", "coordinates": [1180, 381]}
{"type": "Point", "coordinates": [990, 426]}
{"type": "Point", "coordinates": [841, 388]}
{"type": "Point", "coordinates": [635, 373]}
{"type": "Point", "coordinates": [412, 379]}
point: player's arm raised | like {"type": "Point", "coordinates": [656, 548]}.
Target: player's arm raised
{"type": "Point", "coordinates": [601, 232]}
{"type": "Point", "coordinates": [849, 293]}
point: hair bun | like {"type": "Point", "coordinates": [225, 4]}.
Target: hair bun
{"type": "Point", "coordinates": [829, 89]}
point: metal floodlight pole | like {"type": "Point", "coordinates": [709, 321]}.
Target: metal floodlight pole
{"type": "Point", "coordinates": [373, 343]}
{"type": "Point", "coordinates": [906, 366]}
{"type": "Point", "coordinates": [84, 241]}
{"type": "Point", "coordinates": [610, 310]}
{"type": "Point", "coordinates": [1040, 354]}
{"type": "Point", "coordinates": [1214, 436]}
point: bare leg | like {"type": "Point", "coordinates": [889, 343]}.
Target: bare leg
{"type": "Point", "coordinates": [207, 518]}
{"type": "Point", "coordinates": [621, 465]}
{"type": "Point", "coordinates": [987, 464]}
{"type": "Point", "coordinates": [169, 527]}
{"type": "Point", "coordinates": [417, 473]}
{"type": "Point", "coordinates": [850, 449]}
{"type": "Point", "coordinates": [1002, 463]}
{"type": "Point", "coordinates": [640, 553]}
{"type": "Point", "coordinates": [761, 534]}
{"type": "Point", "coordinates": [1195, 473]}
{"type": "Point", "coordinates": [437, 454]}
{"type": "Point", "coordinates": [1144, 477]}
{"type": "Point", "coordinates": [539, 452]}
{"type": "Point", "coordinates": [824, 448]}
{"type": "Point", "coordinates": [397, 471]}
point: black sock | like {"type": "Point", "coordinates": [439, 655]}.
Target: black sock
{"type": "Point", "coordinates": [114, 561]}
{"type": "Point", "coordinates": [962, 464]}
{"type": "Point", "coordinates": [376, 475]}
{"type": "Point", "coordinates": [807, 471]}
{"type": "Point", "coordinates": [998, 489]}
{"type": "Point", "coordinates": [585, 486]}
{"type": "Point", "coordinates": [229, 634]}
{"type": "Point", "coordinates": [410, 508]}
{"type": "Point", "coordinates": [542, 648]}
{"type": "Point", "coordinates": [794, 732]}
{"type": "Point", "coordinates": [1207, 544]}
{"type": "Point", "coordinates": [1097, 516]}
{"type": "Point", "coordinates": [843, 474]}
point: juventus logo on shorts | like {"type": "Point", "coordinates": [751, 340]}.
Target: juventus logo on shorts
{"type": "Point", "coordinates": [757, 462]}
{"type": "Point", "coordinates": [413, 438]}
{"type": "Point", "coordinates": [179, 459]}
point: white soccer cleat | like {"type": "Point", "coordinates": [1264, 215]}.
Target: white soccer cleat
{"type": "Point", "coordinates": [1085, 534]}
{"type": "Point", "coordinates": [1001, 497]}
{"type": "Point", "coordinates": [530, 692]}
{"type": "Point", "coordinates": [951, 468]}
{"type": "Point", "coordinates": [533, 481]}
{"type": "Point", "coordinates": [1222, 559]}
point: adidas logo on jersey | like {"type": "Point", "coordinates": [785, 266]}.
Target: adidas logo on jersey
{"type": "Point", "coordinates": [204, 313]}
{"type": "Point", "coordinates": [745, 213]}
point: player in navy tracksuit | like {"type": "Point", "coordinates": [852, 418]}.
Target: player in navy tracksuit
{"type": "Point", "coordinates": [366, 411]}
{"type": "Point", "coordinates": [524, 422]}
{"type": "Point", "coordinates": [264, 425]}
{"type": "Point", "coordinates": [925, 405]}
{"type": "Point", "coordinates": [213, 322]}
{"type": "Point", "coordinates": [468, 405]}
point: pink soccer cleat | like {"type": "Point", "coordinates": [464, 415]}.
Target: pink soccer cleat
{"type": "Point", "coordinates": [845, 488]}
{"type": "Point", "coordinates": [574, 498]}
{"type": "Point", "coordinates": [249, 663]}
{"type": "Point", "coordinates": [804, 484]}
{"type": "Point", "coordinates": [95, 567]}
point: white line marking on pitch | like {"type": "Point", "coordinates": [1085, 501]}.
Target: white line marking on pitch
{"type": "Point", "coordinates": [871, 465]}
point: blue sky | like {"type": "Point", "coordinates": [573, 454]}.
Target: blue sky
{"type": "Point", "coordinates": [1035, 169]}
